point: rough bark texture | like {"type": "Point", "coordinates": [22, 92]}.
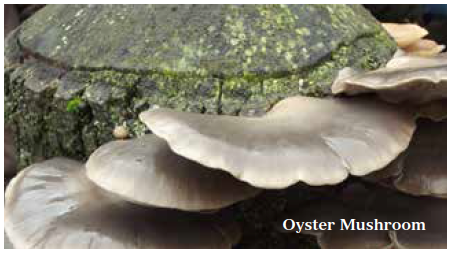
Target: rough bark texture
{"type": "Point", "coordinates": [68, 85]}
{"type": "Point", "coordinates": [74, 73]}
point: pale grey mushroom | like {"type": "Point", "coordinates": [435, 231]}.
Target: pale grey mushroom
{"type": "Point", "coordinates": [146, 171]}
{"type": "Point", "coordinates": [316, 141]}
{"type": "Point", "coordinates": [422, 168]}
{"type": "Point", "coordinates": [410, 79]}
{"type": "Point", "coordinates": [54, 205]}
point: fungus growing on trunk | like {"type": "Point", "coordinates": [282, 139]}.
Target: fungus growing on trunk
{"type": "Point", "coordinates": [405, 34]}
{"type": "Point", "coordinates": [54, 205]}
{"type": "Point", "coordinates": [424, 47]}
{"type": "Point", "coordinates": [422, 168]}
{"type": "Point", "coordinates": [374, 218]}
{"type": "Point", "coordinates": [146, 171]}
{"type": "Point", "coordinates": [316, 141]}
{"type": "Point", "coordinates": [410, 38]}
{"type": "Point", "coordinates": [410, 79]}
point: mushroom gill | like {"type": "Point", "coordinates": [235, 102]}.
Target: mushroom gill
{"type": "Point", "coordinates": [316, 141]}
{"type": "Point", "coordinates": [146, 171]}
{"type": "Point", "coordinates": [422, 168]}
{"type": "Point", "coordinates": [54, 205]}
{"type": "Point", "coordinates": [365, 204]}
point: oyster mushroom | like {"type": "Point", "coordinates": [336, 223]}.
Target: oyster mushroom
{"type": "Point", "coordinates": [121, 132]}
{"type": "Point", "coordinates": [410, 79]}
{"type": "Point", "coordinates": [54, 205]}
{"type": "Point", "coordinates": [146, 171]}
{"type": "Point", "coordinates": [422, 168]}
{"type": "Point", "coordinates": [367, 204]}
{"type": "Point", "coordinates": [405, 34]}
{"type": "Point", "coordinates": [424, 47]}
{"type": "Point", "coordinates": [435, 110]}
{"type": "Point", "coordinates": [316, 141]}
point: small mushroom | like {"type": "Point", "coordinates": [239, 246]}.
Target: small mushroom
{"type": "Point", "coordinates": [316, 141]}
{"type": "Point", "coordinates": [405, 34]}
{"type": "Point", "coordinates": [424, 47]}
{"type": "Point", "coordinates": [120, 132]}
{"type": "Point", "coordinates": [422, 168]}
{"type": "Point", "coordinates": [146, 171]}
{"type": "Point", "coordinates": [410, 79]}
{"type": "Point", "coordinates": [367, 204]}
{"type": "Point", "coordinates": [54, 205]}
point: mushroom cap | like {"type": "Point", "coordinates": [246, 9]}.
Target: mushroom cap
{"type": "Point", "coordinates": [405, 34]}
{"type": "Point", "coordinates": [317, 141]}
{"type": "Point", "coordinates": [54, 205]}
{"type": "Point", "coordinates": [435, 110]}
{"type": "Point", "coordinates": [367, 204]}
{"type": "Point", "coordinates": [422, 168]}
{"type": "Point", "coordinates": [146, 171]}
{"type": "Point", "coordinates": [424, 47]}
{"type": "Point", "coordinates": [412, 79]}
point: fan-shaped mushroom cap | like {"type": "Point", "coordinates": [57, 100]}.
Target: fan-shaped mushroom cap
{"type": "Point", "coordinates": [412, 79]}
{"type": "Point", "coordinates": [317, 141]}
{"type": "Point", "coordinates": [405, 34]}
{"type": "Point", "coordinates": [424, 48]}
{"type": "Point", "coordinates": [146, 171]}
{"type": "Point", "coordinates": [404, 61]}
{"type": "Point", "coordinates": [422, 168]}
{"type": "Point", "coordinates": [366, 205]}
{"type": "Point", "coordinates": [54, 205]}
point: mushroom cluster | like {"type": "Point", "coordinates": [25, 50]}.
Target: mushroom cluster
{"type": "Point", "coordinates": [168, 189]}
{"type": "Point", "coordinates": [413, 187]}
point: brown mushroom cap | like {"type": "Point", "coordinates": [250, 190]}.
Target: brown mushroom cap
{"type": "Point", "coordinates": [411, 79]}
{"type": "Point", "coordinates": [317, 141]}
{"type": "Point", "coordinates": [366, 205]}
{"type": "Point", "coordinates": [405, 34]}
{"type": "Point", "coordinates": [146, 171]}
{"type": "Point", "coordinates": [54, 205]}
{"type": "Point", "coordinates": [422, 168]}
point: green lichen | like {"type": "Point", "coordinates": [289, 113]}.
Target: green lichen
{"type": "Point", "coordinates": [74, 105]}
